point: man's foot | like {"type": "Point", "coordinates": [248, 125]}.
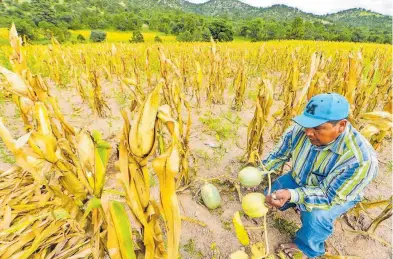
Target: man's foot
{"type": "Point", "coordinates": [292, 251]}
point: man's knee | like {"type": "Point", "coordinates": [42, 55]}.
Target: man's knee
{"type": "Point", "coordinates": [318, 218]}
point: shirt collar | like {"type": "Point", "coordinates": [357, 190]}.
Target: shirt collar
{"type": "Point", "coordinates": [337, 146]}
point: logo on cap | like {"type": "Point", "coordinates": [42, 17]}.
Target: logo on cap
{"type": "Point", "coordinates": [311, 108]}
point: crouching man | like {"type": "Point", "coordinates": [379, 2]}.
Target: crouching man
{"type": "Point", "coordinates": [331, 165]}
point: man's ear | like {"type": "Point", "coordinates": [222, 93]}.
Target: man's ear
{"type": "Point", "coordinates": [341, 126]}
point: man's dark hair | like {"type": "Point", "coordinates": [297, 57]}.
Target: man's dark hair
{"type": "Point", "coordinates": [334, 122]}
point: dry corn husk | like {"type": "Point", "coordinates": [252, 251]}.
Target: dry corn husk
{"type": "Point", "coordinates": [240, 231]}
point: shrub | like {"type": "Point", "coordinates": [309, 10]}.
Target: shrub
{"type": "Point", "coordinates": [80, 38]}
{"type": "Point", "coordinates": [97, 36]}
{"type": "Point", "coordinates": [157, 39]}
{"type": "Point", "coordinates": [137, 37]}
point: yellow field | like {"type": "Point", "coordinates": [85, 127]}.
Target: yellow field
{"type": "Point", "coordinates": [112, 36]}
{"type": "Point", "coordinates": [119, 36]}
{"type": "Point", "coordinates": [3, 33]}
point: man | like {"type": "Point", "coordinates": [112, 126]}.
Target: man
{"type": "Point", "coordinates": [331, 165]}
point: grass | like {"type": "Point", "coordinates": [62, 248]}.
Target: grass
{"type": "Point", "coordinates": [252, 94]}
{"type": "Point", "coordinates": [225, 126]}
{"type": "Point", "coordinates": [153, 180]}
{"type": "Point", "coordinates": [5, 156]}
{"type": "Point", "coordinates": [285, 226]}
{"type": "Point", "coordinates": [189, 247]}
{"type": "Point", "coordinates": [389, 166]}
{"type": "Point", "coordinates": [226, 225]}
{"type": "Point", "coordinates": [121, 99]}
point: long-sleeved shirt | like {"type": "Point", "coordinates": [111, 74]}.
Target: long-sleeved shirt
{"type": "Point", "coordinates": [327, 175]}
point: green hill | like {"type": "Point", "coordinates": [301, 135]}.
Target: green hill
{"type": "Point", "coordinates": [192, 22]}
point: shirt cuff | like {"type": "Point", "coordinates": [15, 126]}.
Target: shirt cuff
{"type": "Point", "coordinates": [294, 196]}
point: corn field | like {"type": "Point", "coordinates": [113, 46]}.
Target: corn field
{"type": "Point", "coordinates": [53, 197]}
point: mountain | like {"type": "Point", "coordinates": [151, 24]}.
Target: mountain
{"type": "Point", "coordinates": [356, 17]}
{"type": "Point", "coordinates": [223, 7]}
{"type": "Point", "coordinates": [283, 12]}
{"type": "Point", "coordinates": [359, 17]}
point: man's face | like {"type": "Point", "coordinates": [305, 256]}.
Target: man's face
{"type": "Point", "coordinates": [325, 133]}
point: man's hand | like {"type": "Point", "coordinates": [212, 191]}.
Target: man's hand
{"type": "Point", "coordinates": [278, 198]}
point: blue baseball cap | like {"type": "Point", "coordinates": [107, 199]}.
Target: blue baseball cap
{"type": "Point", "coordinates": [323, 108]}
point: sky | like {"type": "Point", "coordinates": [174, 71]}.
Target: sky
{"type": "Point", "coordinates": [324, 6]}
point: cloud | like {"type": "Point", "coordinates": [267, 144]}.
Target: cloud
{"type": "Point", "coordinates": [324, 6]}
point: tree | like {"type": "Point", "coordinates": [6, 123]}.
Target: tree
{"type": "Point", "coordinates": [308, 31]}
{"type": "Point", "coordinates": [358, 35]}
{"type": "Point", "coordinates": [343, 35]}
{"type": "Point", "coordinates": [25, 30]}
{"type": "Point", "coordinates": [137, 37]}
{"type": "Point", "coordinates": [244, 30]}
{"type": "Point", "coordinates": [221, 31]}
{"type": "Point", "coordinates": [42, 11]}
{"type": "Point", "coordinates": [97, 36]}
{"type": "Point", "coordinates": [157, 39]}
{"type": "Point", "coordinates": [256, 30]}
{"type": "Point", "coordinates": [197, 35]}
{"type": "Point", "coordinates": [50, 30]}
{"type": "Point", "coordinates": [66, 17]}
{"type": "Point", "coordinates": [80, 38]}
{"type": "Point", "coordinates": [297, 29]}
{"type": "Point", "coordinates": [185, 37]}
{"type": "Point", "coordinates": [206, 35]}
{"type": "Point", "coordinates": [387, 39]}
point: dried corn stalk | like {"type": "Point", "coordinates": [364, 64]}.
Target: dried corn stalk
{"type": "Point", "coordinates": [136, 146]}
{"type": "Point", "coordinates": [240, 84]}
{"type": "Point", "coordinates": [216, 85]}
{"type": "Point", "coordinates": [379, 125]}
{"type": "Point", "coordinates": [66, 169]}
{"type": "Point", "coordinates": [167, 167]}
{"type": "Point", "coordinates": [258, 124]}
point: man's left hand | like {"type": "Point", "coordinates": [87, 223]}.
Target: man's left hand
{"type": "Point", "coordinates": [278, 198]}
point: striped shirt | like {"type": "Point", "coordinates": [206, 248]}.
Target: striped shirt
{"type": "Point", "coordinates": [327, 175]}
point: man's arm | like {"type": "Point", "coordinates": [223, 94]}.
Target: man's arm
{"type": "Point", "coordinates": [282, 150]}
{"type": "Point", "coordinates": [339, 186]}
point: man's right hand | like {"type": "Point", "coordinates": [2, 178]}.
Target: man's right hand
{"type": "Point", "coordinates": [278, 198]}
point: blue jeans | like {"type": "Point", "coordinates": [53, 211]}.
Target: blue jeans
{"type": "Point", "coordinates": [317, 225]}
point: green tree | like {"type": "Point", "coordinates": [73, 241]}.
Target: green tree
{"type": "Point", "coordinates": [387, 39]}
{"type": "Point", "coordinates": [358, 35]}
{"type": "Point", "coordinates": [25, 30]}
{"type": "Point", "coordinates": [60, 33]}
{"type": "Point", "coordinates": [80, 38]}
{"type": "Point", "coordinates": [137, 37]}
{"type": "Point", "coordinates": [42, 10]}
{"type": "Point", "coordinates": [206, 34]}
{"type": "Point", "coordinates": [185, 37]}
{"type": "Point", "coordinates": [157, 39]}
{"type": "Point", "coordinates": [221, 31]}
{"type": "Point", "coordinates": [66, 17]}
{"type": "Point", "coordinates": [343, 35]}
{"type": "Point", "coordinates": [97, 36]}
{"type": "Point", "coordinates": [197, 35]}
{"type": "Point", "coordinates": [256, 30]}
{"type": "Point", "coordinates": [297, 29]}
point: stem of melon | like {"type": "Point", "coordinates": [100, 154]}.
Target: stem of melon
{"type": "Point", "coordinates": [264, 217]}
{"type": "Point", "coordinates": [266, 240]}
{"type": "Point", "coordinates": [270, 184]}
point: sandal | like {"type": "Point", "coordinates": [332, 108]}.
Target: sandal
{"type": "Point", "coordinates": [291, 252]}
